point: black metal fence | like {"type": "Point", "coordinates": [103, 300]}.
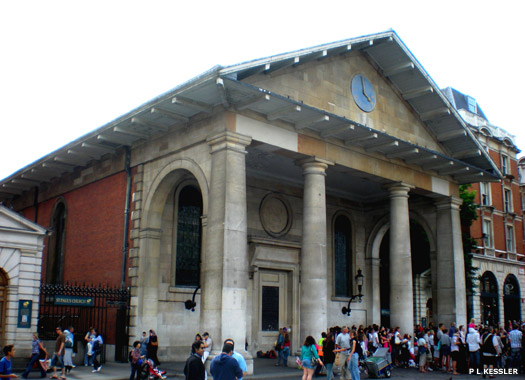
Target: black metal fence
{"type": "Point", "coordinates": [83, 306]}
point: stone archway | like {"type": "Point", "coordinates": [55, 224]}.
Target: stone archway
{"type": "Point", "coordinates": [489, 299]}
{"type": "Point", "coordinates": [154, 234]}
{"type": "Point", "coordinates": [378, 251]}
{"type": "Point", "coordinates": [511, 299]}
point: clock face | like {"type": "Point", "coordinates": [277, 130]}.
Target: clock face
{"type": "Point", "coordinates": [363, 93]}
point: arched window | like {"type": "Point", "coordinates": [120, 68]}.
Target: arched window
{"type": "Point", "coordinates": [55, 251]}
{"type": "Point", "coordinates": [189, 233]}
{"type": "Point", "coordinates": [343, 256]}
{"type": "Point", "coordinates": [511, 299]}
{"type": "Point", "coordinates": [489, 299]}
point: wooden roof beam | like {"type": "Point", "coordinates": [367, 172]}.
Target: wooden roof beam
{"type": "Point", "coordinates": [451, 135]}
{"type": "Point", "coordinates": [397, 69]}
{"type": "Point", "coordinates": [311, 123]}
{"type": "Point", "coordinates": [419, 160]}
{"type": "Point", "coordinates": [416, 93]}
{"type": "Point", "coordinates": [223, 93]}
{"type": "Point", "coordinates": [454, 170]}
{"type": "Point", "coordinates": [434, 114]}
{"type": "Point", "coordinates": [195, 104]}
{"type": "Point", "coordinates": [10, 190]}
{"type": "Point", "coordinates": [148, 124]}
{"type": "Point", "coordinates": [97, 148]}
{"type": "Point", "coordinates": [170, 114]}
{"type": "Point", "coordinates": [438, 165]}
{"type": "Point", "coordinates": [126, 131]}
{"type": "Point", "coordinates": [117, 139]}
{"type": "Point", "coordinates": [360, 138]}
{"type": "Point", "coordinates": [467, 154]}
{"type": "Point", "coordinates": [336, 130]}
{"type": "Point", "coordinates": [283, 111]}
{"type": "Point", "coordinates": [403, 153]}
{"type": "Point", "coordinates": [252, 102]}
{"type": "Point", "coordinates": [379, 146]}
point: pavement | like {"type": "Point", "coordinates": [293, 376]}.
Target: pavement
{"type": "Point", "coordinates": [264, 369]}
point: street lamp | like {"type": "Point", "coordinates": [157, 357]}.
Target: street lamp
{"type": "Point", "coordinates": [359, 279]}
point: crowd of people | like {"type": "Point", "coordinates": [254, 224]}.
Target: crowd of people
{"type": "Point", "coordinates": [454, 349]}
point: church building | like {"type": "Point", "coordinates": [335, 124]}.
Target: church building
{"type": "Point", "coordinates": [272, 193]}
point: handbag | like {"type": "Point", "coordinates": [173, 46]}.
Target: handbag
{"type": "Point", "coordinates": [337, 361]}
{"type": "Point", "coordinates": [315, 361]}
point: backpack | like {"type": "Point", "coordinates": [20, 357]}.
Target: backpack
{"type": "Point", "coordinates": [358, 348]}
{"type": "Point", "coordinates": [69, 341]}
{"type": "Point", "coordinates": [130, 356]}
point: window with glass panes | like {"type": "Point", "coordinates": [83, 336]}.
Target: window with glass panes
{"type": "Point", "coordinates": [507, 200]}
{"type": "Point", "coordinates": [485, 193]}
{"type": "Point", "coordinates": [510, 238]}
{"type": "Point", "coordinates": [505, 164]}
{"type": "Point", "coordinates": [487, 230]}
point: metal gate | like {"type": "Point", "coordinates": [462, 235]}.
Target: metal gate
{"type": "Point", "coordinates": [83, 306]}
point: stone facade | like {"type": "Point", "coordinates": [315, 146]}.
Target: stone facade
{"type": "Point", "coordinates": [21, 244]}
{"type": "Point", "coordinates": [298, 189]}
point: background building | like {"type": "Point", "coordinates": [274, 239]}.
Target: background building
{"type": "Point", "coordinates": [499, 254]}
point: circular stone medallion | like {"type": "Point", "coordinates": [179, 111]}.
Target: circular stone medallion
{"type": "Point", "coordinates": [275, 214]}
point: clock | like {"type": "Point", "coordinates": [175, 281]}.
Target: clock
{"type": "Point", "coordinates": [363, 93]}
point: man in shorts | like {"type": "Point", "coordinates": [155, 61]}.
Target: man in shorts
{"type": "Point", "coordinates": [58, 356]}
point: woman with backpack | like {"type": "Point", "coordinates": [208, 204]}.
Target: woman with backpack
{"type": "Point", "coordinates": [422, 349]}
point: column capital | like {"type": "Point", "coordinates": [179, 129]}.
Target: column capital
{"type": "Point", "coordinates": [229, 140]}
{"type": "Point", "coordinates": [398, 189]}
{"type": "Point", "coordinates": [314, 165]}
{"type": "Point", "coordinates": [448, 203]}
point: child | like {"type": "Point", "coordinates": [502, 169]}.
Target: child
{"type": "Point", "coordinates": [6, 371]}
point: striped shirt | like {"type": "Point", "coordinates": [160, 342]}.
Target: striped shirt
{"type": "Point", "coordinates": [515, 338]}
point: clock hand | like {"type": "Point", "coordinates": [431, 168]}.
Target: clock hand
{"type": "Point", "coordinates": [364, 91]}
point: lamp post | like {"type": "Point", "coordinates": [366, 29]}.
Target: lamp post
{"type": "Point", "coordinates": [359, 279]}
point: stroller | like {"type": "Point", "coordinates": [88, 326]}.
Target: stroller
{"type": "Point", "coordinates": [149, 371]}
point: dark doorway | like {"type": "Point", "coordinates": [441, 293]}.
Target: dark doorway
{"type": "Point", "coordinates": [511, 299]}
{"type": "Point", "coordinates": [489, 299]}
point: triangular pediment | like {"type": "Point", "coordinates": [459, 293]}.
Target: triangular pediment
{"type": "Point", "coordinates": [12, 221]}
{"type": "Point", "coordinates": [326, 85]}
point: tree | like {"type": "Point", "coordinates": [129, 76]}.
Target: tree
{"type": "Point", "coordinates": [468, 214]}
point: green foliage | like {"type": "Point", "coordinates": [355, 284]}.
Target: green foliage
{"type": "Point", "coordinates": [468, 214]}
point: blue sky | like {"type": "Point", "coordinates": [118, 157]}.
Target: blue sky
{"type": "Point", "coordinates": [69, 67]}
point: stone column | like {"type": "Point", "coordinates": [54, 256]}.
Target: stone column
{"type": "Point", "coordinates": [373, 290]}
{"type": "Point", "coordinates": [314, 285]}
{"type": "Point", "coordinates": [451, 291]}
{"type": "Point", "coordinates": [401, 293]}
{"type": "Point", "coordinates": [225, 274]}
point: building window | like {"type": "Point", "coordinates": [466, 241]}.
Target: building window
{"type": "Point", "coordinates": [505, 164]}
{"type": "Point", "coordinates": [472, 104]}
{"type": "Point", "coordinates": [56, 245]}
{"type": "Point", "coordinates": [487, 232]}
{"type": "Point", "coordinates": [489, 299]}
{"type": "Point", "coordinates": [509, 232]}
{"type": "Point", "coordinates": [507, 200]}
{"type": "Point", "coordinates": [343, 256]}
{"type": "Point", "coordinates": [485, 193]}
{"type": "Point", "coordinates": [189, 234]}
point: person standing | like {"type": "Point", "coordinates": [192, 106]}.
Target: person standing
{"type": "Point", "coordinates": [6, 371]}
{"type": "Point", "coordinates": [135, 361]}
{"type": "Point", "coordinates": [355, 353]}
{"type": "Point", "coordinates": [68, 348]}
{"type": "Point", "coordinates": [36, 346]}
{"type": "Point", "coordinates": [422, 348]}
{"type": "Point", "coordinates": [329, 355]}
{"type": "Point", "coordinates": [194, 367]}
{"type": "Point", "coordinates": [473, 341]}
{"type": "Point", "coordinates": [515, 337]}
{"type": "Point", "coordinates": [238, 357]}
{"type": "Point", "coordinates": [153, 347]}
{"type": "Point", "coordinates": [224, 367]}
{"type": "Point", "coordinates": [489, 349]}
{"type": "Point", "coordinates": [208, 344]}
{"type": "Point", "coordinates": [58, 357]}
{"type": "Point", "coordinates": [144, 344]}
{"type": "Point", "coordinates": [279, 346]}
{"type": "Point", "coordinates": [97, 343]}
{"type": "Point", "coordinates": [88, 355]}
{"type": "Point", "coordinates": [342, 345]}
{"type": "Point", "coordinates": [308, 354]}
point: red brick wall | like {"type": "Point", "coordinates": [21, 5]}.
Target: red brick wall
{"type": "Point", "coordinates": [94, 231]}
